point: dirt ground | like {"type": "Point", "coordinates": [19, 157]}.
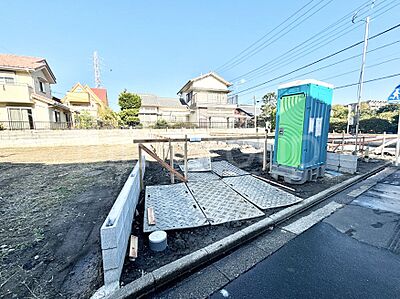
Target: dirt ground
{"type": "Point", "coordinates": [54, 200]}
{"type": "Point", "coordinates": [183, 242]}
{"type": "Point", "coordinates": [51, 216]}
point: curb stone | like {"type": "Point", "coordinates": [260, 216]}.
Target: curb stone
{"type": "Point", "coordinates": [176, 269]}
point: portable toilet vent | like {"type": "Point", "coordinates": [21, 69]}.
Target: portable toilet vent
{"type": "Point", "coordinates": [301, 134]}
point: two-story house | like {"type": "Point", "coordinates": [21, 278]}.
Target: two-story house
{"type": "Point", "coordinates": [207, 98]}
{"type": "Point", "coordinates": [25, 95]}
{"type": "Point", "coordinates": [84, 98]}
{"type": "Point", "coordinates": [154, 108]}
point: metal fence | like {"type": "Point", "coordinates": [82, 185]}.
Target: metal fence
{"type": "Point", "coordinates": [42, 125]}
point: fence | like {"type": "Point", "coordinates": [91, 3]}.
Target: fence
{"type": "Point", "coordinates": [161, 124]}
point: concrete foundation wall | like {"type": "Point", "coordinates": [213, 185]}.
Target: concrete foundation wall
{"type": "Point", "coordinates": [38, 138]}
{"type": "Point", "coordinates": [342, 163]}
{"type": "Point", "coordinates": [116, 229]}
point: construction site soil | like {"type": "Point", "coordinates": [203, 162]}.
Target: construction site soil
{"type": "Point", "coordinates": [53, 202]}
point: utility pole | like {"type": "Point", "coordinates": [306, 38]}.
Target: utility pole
{"type": "Point", "coordinates": [96, 67]}
{"type": "Point", "coordinates": [361, 80]}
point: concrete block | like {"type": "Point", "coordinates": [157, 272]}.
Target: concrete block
{"type": "Point", "coordinates": [116, 229]}
{"type": "Point", "coordinates": [112, 276]}
{"type": "Point", "coordinates": [347, 170]}
{"type": "Point", "coordinates": [332, 167]}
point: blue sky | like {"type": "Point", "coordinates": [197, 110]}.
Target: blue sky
{"type": "Point", "coordinates": [156, 46]}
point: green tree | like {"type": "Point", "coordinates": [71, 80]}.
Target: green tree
{"type": "Point", "coordinates": [268, 108]}
{"type": "Point", "coordinates": [130, 104]}
{"type": "Point", "coordinates": [108, 118]}
{"type": "Point", "coordinates": [85, 121]}
{"type": "Point", "coordinates": [339, 112]}
{"type": "Point", "coordinates": [129, 117]}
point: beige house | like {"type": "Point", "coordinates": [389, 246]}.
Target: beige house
{"type": "Point", "coordinates": [84, 98]}
{"type": "Point", "coordinates": [154, 108]}
{"type": "Point", "coordinates": [25, 95]}
{"type": "Point", "coordinates": [207, 98]}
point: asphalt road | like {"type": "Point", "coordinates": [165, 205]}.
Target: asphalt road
{"type": "Point", "coordinates": [321, 263]}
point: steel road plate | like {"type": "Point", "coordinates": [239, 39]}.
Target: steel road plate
{"type": "Point", "coordinates": [260, 193]}
{"type": "Point", "coordinates": [226, 169]}
{"type": "Point", "coordinates": [220, 203]}
{"type": "Point", "coordinates": [174, 208]}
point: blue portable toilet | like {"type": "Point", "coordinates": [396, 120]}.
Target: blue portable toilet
{"type": "Point", "coordinates": [301, 133]}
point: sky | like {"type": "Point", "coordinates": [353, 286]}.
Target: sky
{"type": "Point", "coordinates": [157, 46]}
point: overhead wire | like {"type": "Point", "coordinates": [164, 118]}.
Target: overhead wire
{"type": "Point", "coordinates": [320, 59]}
{"type": "Point", "coordinates": [261, 70]}
{"type": "Point", "coordinates": [278, 36]}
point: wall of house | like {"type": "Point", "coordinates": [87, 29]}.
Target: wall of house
{"type": "Point", "coordinates": [209, 97]}
{"type": "Point", "coordinates": [41, 112]}
{"type": "Point", "coordinates": [210, 83]}
{"type": "Point", "coordinates": [36, 76]}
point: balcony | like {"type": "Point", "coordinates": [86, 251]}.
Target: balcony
{"type": "Point", "coordinates": [15, 93]}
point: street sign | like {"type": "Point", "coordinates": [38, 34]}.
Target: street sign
{"type": "Point", "coordinates": [395, 95]}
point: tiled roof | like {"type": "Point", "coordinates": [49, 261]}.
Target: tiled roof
{"type": "Point", "coordinates": [156, 101]}
{"type": "Point", "coordinates": [101, 93]}
{"type": "Point", "coordinates": [16, 61]}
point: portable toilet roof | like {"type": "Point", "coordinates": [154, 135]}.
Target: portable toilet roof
{"type": "Point", "coordinates": [304, 82]}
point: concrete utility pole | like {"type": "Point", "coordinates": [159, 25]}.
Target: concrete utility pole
{"type": "Point", "coordinates": [96, 67]}
{"type": "Point", "coordinates": [361, 80]}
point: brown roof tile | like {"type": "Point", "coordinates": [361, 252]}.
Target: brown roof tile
{"type": "Point", "coordinates": [16, 61]}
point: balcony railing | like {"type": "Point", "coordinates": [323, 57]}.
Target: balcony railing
{"type": "Point", "coordinates": [15, 92]}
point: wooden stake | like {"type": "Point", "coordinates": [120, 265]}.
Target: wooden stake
{"type": "Point", "coordinates": [133, 248]}
{"type": "Point", "coordinates": [171, 160]}
{"type": "Point", "coordinates": [151, 220]}
{"type": "Point", "coordinates": [265, 152]}
{"type": "Point", "coordinates": [383, 144]}
{"type": "Point", "coordinates": [162, 163]}
{"type": "Point", "coordinates": [185, 157]}
{"type": "Point", "coordinates": [140, 168]}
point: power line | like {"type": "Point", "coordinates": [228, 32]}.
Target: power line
{"type": "Point", "coordinates": [265, 35]}
{"type": "Point", "coordinates": [356, 70]}
{"type": "Point", "coordinates": [321, 59]}
{"type": "Point", "coordinates": [329, 30]}
{"type": "Point", "coordinates": [329, 65]}
{"type": "Point", "coordinates": [279, 34]}
{"type": "Point", "coordinates": [368, 81]}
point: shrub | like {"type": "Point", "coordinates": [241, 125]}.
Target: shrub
{"type": "Point", "coordinates": [161, 124]}
{"type": "Point", "coordinates": [2, 128]}
{"type": "Point", "coordinates": [375, 125]}
{"type": "Point", "coordinates": [337, 125]}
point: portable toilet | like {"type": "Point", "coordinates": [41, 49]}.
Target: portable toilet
{"type": "Point", "coordinates": [301, 134]}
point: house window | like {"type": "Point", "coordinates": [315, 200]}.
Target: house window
{"type": "Point", "coordinates": [42, 86]}
{"type": "Point", "coordinates": [20, 118]}
{"type": "Point", "coordinates": [6, 80]}
{"type": "Point", "coordinates": [57, 117]}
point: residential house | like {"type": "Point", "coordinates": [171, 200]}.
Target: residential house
{"type": "Point", "coordinates": [26, 101]}
{"type": "Point", "coordinates": [84, 98]}
{"type": "Point", "coordinates": [154, 108]}
{"type": "Point", "coordinates": [207, 98]}
{"type": "Point", "coordinates": [245, 113]}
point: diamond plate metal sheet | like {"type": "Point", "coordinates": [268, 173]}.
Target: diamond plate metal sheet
{"type": "Point", "coordinates": [260, 193]}
{"type": "Point", "coordinates": [220, 203]}
{"type": "Point", "coordinates": [202, 176]}
{"type": "Point", "coordinates": [174, 208]}
{"type": "Point", "coordinates": [226, 169]}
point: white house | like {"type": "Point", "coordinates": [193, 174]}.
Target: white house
{"type": "Point", "coordinates": [155, 108]}
{"type": "Point", "coordinates": [207, 98]}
